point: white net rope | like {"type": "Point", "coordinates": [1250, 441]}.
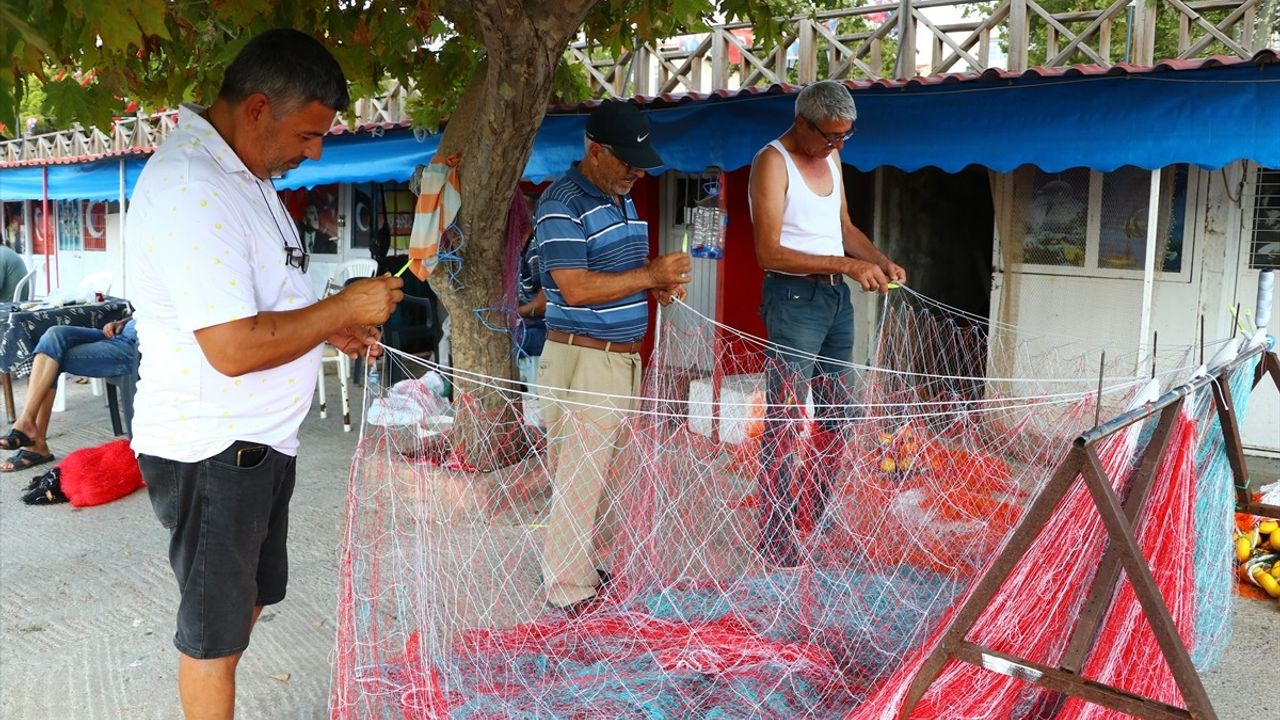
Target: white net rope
{"type": "Point", "coordinates": [743, 543]}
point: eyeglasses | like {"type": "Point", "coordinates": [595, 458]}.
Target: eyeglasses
{"type": "Point", "coordinates": [630, 168]}
{"type": "Point", "coordinates": [297, 257]}
{"type": "Point", "coordinates": [831, 138]}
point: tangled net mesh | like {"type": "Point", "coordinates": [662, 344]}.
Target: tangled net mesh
{"type": "Point", "coordinates": [773, 551]}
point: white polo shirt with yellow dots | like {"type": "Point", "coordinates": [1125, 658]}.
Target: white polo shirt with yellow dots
{"type": "Point", "coordinates": [206, 245]}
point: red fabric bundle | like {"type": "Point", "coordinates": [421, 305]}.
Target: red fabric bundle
{"type": "Point", "coordinates": [98, 475]}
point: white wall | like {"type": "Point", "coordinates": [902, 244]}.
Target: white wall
{"type": "Point", "coordinates": [1107, 311]}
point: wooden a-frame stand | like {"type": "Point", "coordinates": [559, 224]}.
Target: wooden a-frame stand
{"type": "Point", "coordinates": [1122, 553]}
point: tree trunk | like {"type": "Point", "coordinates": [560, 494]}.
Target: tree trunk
{"type": "Point", "coordinates": [494, 128]}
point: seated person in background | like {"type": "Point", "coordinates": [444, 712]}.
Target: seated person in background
{"type": "Point", "coordinates": [12, 270]}
{"type": "Point", "coordinates": [88, 352]}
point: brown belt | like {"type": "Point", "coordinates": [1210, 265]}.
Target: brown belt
{"type": "Point", "coordinates": [587, 341]}
{"type": "Point", "coordinates": [816, 278]}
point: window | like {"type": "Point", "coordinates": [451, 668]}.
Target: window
{"type": "Point", "coordinates": [1264, 248]}
{"type": "Point", "coordinates": [94, 223]}
{"type": "Point", "coordinates": [692, 191]}
{"type": "Point", "coordinates": [1083, 222]}
{"type": "Point", "coordinates": [15, 226]}
{"type": "Point", "coordinates": [70, 233]}
{"type": "Point", "coordinates": [397, 203]}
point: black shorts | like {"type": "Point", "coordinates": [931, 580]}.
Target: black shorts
{"type": "Point", "coordinates": [228, 526]}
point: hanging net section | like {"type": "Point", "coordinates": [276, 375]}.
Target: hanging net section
{"type": "Point", "coordinates": [736, 538]}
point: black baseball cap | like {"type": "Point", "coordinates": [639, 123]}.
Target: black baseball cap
{"type": "Point", "coordinates": [625, 129]}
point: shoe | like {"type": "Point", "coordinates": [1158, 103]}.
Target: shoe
{"type": "Point", "coordinates": [606, 579]}
{"type": "Point", "coordinates": [576, 610]}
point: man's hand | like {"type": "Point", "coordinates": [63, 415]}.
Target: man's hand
{"type": "Point", "coordinates": [665, 295]}
{"type": "Point", "coordinates": [669, 270]}
{"type": "Point", "coordinates": [866, 274]}
{"type": "Point", "coordinates": [893, 271]}
{"type": "Point", "coordinates": [355, 341]}
{"type": "Point", "coordinates": [371, 301]}
{"type": "Point", "coordinates": [113, 328]}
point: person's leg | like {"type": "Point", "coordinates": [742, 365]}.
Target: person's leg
{"type": "Point", "coordinates": [796, 333]}
{"type": "Point", "coordinates": [49, 356]}
{"type": "Point", "coordinates": [207, 688]}
{"type": "Point", "coordinates": [608, 512]}
{"type": "Point", "coordinates": [588, 433]}
{"type": "Point", "coordinates": [832, 400]}
{"type": "Point", "coordinates": [224, 521]}
{"type": "Point", "coordinates": [33, 421]}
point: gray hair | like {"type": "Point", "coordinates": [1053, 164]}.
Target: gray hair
{"type": "Point", "coordinates": [826, 100]}
{"type": "Point", "coordinates": [291, 68]}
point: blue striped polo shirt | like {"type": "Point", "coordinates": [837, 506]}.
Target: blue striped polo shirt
{"type": "Point", "coordinates": [579, 226]}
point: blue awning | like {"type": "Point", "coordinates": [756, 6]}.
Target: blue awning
{"type": "Point", "coordinates": [363, 158]}
{"type": "Point", "coordinates": [1207, 116]}
{"type": "Point", "coordinates": [87, 181]}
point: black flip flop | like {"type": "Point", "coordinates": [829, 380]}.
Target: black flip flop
{"type": "Point", "coordinates": [15, 439]}
{"type": "Point", "coordinates": [24, 459]}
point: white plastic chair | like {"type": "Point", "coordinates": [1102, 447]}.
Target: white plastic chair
{"type": "Point", "coordinates": [349, 270]}
{"type": "Point", "coordinates": [26, 280]}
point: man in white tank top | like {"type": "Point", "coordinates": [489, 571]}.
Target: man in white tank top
{"type": "Point", "coordinates": [807, 245]}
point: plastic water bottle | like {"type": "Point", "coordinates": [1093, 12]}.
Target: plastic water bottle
{"type": "Point", "coordinates": [699, 248]}
{"type": "Point", "coordinates": [718, 226]}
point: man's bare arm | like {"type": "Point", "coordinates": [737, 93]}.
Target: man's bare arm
{"type": "Point", "coordinates": [272, 338]}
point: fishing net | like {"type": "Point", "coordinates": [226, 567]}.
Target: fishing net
{"type": "Point", "coordinates": [758, 546]}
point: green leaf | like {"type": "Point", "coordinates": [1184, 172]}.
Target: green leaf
{"type": "Point", "coordinates": [150, 15]}
{"type": "Point", "coordinates": [67, 102]}
{"type": "Point", "coordinates": [117, 28]}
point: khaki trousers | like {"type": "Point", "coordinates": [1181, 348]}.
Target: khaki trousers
{"type": "Point", "coordinates": [586, 435]}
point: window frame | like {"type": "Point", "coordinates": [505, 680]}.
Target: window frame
{"type": "Point", "coordinates": [1192, 228]}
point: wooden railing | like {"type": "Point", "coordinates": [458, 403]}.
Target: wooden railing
{"type": "Point", "coordinates": [896, 39]}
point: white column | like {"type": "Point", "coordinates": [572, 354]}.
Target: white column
{"type": "Point", "coordinates": [1149, 261]}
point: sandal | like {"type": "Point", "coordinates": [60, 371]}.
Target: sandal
{"type": "Point", "coordinates": [24, 459]}
{"type": "Point", "coordinates": [15, 439]}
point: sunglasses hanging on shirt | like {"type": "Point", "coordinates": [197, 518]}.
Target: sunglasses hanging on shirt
{"type": "Point", "coordinates": [294, 256]}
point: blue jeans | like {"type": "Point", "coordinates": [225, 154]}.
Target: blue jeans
{"type": "Point", "coordinates": [808, 321]}
{"type": "Point", "coordinates": [87, 351]}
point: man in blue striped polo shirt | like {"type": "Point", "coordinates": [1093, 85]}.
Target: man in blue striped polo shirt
{"type": "Point", "coordinates": [596, 274]}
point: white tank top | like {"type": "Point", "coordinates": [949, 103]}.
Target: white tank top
{"type": "Point", "coordinates": [811, 222]}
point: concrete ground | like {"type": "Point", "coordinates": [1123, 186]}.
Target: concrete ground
{"type": "Point", "coordinates": [87, 600]}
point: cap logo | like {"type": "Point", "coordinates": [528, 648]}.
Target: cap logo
{"type": "Point", "coordinates": [641, 138]}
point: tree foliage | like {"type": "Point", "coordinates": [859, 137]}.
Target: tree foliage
{"type": "Point", "coordinates": [93, 56]}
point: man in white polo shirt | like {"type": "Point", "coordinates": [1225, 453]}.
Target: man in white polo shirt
{"type": "Point", "coordinates": [230, 334]}
{"type": "Point", "coordinates": [807, 246]}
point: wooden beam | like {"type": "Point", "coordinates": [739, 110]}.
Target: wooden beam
{"type": "Point", "coordinates": [1065, 682]}
{"type": "Point", "coordinates": [1144, 586]}
{"type": "Point", "coordinates": [1100, 594]}
{"type": "Point", "coordinates": [1037, 515]}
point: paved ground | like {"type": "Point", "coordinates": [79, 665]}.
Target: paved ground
{"type": "Point", "coordinates": [87, 601]}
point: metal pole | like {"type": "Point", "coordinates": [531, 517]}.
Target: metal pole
{"type": "Point", "coordinates": [44, 224]}
{"type": "Point", "coordinates": [1149, 258]}
{"type": "Point", "coordinates": [28, 232]}
{"type": "Point", "coordinates": [124, 247]}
